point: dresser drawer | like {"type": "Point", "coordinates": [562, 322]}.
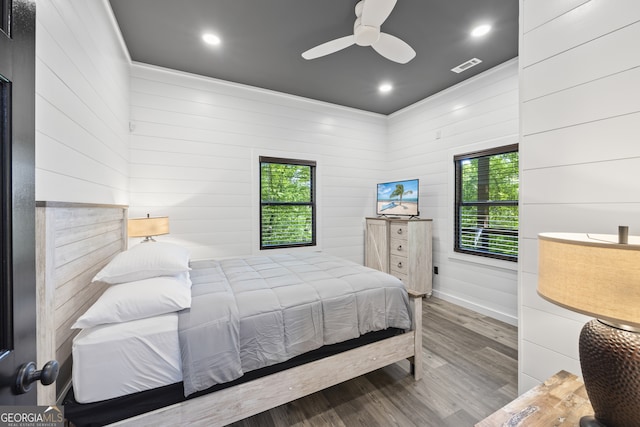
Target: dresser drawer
{"type": "Point", "coordinates": [399, 264]}
{"type": "Point", "coordinates": [404, 278]}
{"type": "Point", "coordinates": [398, 230]}
{"type": "Point", "coordinates": [398, 247]}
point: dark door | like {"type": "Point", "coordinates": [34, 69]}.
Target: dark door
{"type": "Point", "coordinates": [17, 137]}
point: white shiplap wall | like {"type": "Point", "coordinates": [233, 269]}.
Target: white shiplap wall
{"type": "Point", "coordinates": [82, 104]}
{"type": "Point", "coordinates": [580, 155]}
{"type": "Point", "coordinates": [194, 157]}
{"type": "Point", "coordinates": [481, 112]}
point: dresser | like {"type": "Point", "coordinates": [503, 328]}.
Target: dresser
{"type": "Point", "coordinates": [402, 248]}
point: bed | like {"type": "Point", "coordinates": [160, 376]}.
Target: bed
{"type": "Point", "coordinates": [291, 340]}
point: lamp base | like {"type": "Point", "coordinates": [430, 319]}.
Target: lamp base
{"type": "Point", "coordinates": [610, 362]}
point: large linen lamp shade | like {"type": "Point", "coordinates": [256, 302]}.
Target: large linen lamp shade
{"type": "Point", "coordinates": [591, 274]}
{"type": "Point", "coordinates": [599, 277]}
{"type": "Point", "coordinates": [148, 227]}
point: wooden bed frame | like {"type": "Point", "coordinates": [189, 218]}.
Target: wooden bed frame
{"type": "Point", "coordinates": [74, 241]}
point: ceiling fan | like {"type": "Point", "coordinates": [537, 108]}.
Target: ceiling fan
{"type": "Point", "coordinates": [370, 14]}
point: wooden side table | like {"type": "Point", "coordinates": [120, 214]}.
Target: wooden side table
{"type": "Point", "coordinates": [558, 402]}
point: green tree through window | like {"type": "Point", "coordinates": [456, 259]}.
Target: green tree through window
{"type": "Point", "coordinates": [287, 203]}
{"type": "Point", "coordinates": [487, 191]}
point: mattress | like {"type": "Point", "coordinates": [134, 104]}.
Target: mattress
{"type": "Point", "coordinates": [123, 358]}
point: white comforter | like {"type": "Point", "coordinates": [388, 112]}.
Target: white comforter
{"type": "Point", "coordinates": [253, 312]}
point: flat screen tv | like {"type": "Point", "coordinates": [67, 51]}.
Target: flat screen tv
{"type": "Point", "coordinates": [398, 198]}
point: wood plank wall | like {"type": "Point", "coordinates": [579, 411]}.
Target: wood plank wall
{"type": "Point", "coordinates": [480, 112]}
{"type": "Point", "coordinates": [194, 157]}
{"type": "Point", "coordinates": [580, 156]}
{"type": "Point", "coordinates": [82, 104]}
{"type": "Point", "coordinates": [194, 154]}
{"type": "Point", "coordinates": [73, 242]}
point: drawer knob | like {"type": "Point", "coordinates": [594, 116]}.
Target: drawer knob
{"type": "Point", "coordinates": [399, 230]}
{"type": "Point", "coordinates": [399, 248]}
{"type": "Point", "coordinates": [400, 265]}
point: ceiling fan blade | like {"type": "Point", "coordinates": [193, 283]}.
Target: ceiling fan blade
{"type": "Point", "coordinates": [394, 49]}
{"type": "Point", "coordinates": [329, 47]}
{"type": "Point", "coordinates": [375, 12]}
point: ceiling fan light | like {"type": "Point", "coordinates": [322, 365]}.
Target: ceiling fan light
{"type": "Point", "coordinates": [366, 32]}
{"type": "Point", "coordinates": [365, 35]}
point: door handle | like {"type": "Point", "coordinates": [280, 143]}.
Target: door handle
{"type": "Point", "coordinates": [27, 374]}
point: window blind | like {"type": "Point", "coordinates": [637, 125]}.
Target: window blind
{"type": "Point", "coordinates": [287, 203]}
{"type": "Point", "coordinates": [486, 203]}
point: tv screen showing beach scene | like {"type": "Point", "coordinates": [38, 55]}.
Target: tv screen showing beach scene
{"type": "Point", "coordinates": [398, 198]}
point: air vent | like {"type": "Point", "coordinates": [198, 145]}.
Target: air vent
{"type": "Point", "coordinates": [466, 65]}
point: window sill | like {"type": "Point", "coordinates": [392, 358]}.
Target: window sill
{"type": "Point", "coordinates": [484, 261]}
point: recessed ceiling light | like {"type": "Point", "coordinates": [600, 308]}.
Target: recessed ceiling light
{"type": "Point", "coordinates": [385, 88]}
{"type": "Point", "coordinates": [211, 39]}
{"type": "Point", "coordinates": [481, 30]}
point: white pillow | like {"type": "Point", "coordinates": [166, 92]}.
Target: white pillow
{"type": "Point", "coordinates": [138, 300]}
{"type": "Point", "coordinates": [143, 261]}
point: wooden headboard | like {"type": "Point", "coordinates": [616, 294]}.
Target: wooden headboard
{"type": "Point", "coordinates": [73, 242]}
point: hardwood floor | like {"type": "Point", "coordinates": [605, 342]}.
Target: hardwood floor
{"type": "Point", "coordinates": [470, 365]}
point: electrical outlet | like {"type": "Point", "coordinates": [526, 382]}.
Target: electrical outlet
{"type": "Point", "coordinates": [435, 269]}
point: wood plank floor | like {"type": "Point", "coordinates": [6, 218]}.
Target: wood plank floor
{"type": "Point", "coordinates": [470, 365]}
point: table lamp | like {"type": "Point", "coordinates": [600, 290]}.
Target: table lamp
{"type": "Point", "coordinates": [599, 276]}
{"type": "Point", "coordinates": [148, 227]}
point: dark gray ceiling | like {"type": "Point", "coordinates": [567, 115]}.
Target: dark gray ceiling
{"type": "Point", "coordinates": [262, 41]}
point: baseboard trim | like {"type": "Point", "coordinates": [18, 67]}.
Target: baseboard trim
{"type": "Point", "coordinates": [503, 317]}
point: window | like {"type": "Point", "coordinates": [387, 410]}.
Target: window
{"type": "Point", "coordinates": [486, 203]}
{"type": "Point", "coordinates": [287, 203]}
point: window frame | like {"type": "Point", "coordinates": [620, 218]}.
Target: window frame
{"type": "Point", "coordinates": [458, 203]}
{"type": "Point", "coordinates": [6, 242]}
{"type": "Point", "coordinates": [312, 203]}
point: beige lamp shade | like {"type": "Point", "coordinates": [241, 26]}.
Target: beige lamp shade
{"type": "Point", "coordinates": [591, 274]}
{"type": "Point", "coordinates": [147, 227]}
